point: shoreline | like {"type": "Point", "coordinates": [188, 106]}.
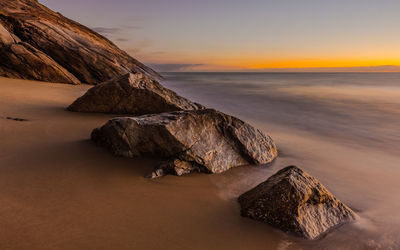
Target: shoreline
{"type": "Point", "coordinates": [60, 189]}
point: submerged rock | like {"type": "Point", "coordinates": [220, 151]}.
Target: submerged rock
{"type": "Point", "coordinates": [136, 94]}
{"type": "Point", "coordinates": [193, 141]}
{"type": "Point", "coordinates": [39, 44]}
{"type": "Point", "coordinates": [295, 202]}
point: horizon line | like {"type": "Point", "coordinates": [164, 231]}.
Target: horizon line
{"type": "Point", "coordinates": [275, 72]}
{"type": "Point", "coordinates": [166, 67]}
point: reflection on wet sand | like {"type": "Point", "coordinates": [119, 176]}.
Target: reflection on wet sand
{"type": "Point", "coordinates": [58, 189]}
{"type": "Point", "coordinates": [341, 128]}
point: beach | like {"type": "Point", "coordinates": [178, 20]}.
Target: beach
{"type": "Point", "coordinates": [61, 191]}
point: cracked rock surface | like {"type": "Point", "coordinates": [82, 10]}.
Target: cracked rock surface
{"type": "Point", "coordinates": [191, 141]}
{"type": "Point", "coordinates": [296, 203]}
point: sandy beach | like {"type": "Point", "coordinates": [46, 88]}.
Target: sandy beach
{"type": "Point", "coordinates": [61, 191]}
{"type": "Point", "coordinates": [293, 107]}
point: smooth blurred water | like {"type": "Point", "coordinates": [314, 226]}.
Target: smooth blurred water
{"type": "Point", "coordinates": [362, 108]}
{"type": "Point", "coordinates": [343, 128]}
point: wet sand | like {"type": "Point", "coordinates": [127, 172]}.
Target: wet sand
{"type": "Point", "coordinates": [60, 191]}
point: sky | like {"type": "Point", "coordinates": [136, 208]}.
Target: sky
{"type": "Point", "coordinates": [252, 35]}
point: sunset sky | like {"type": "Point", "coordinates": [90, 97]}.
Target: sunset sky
{"type": "Point", "coordinates": [226, 35]}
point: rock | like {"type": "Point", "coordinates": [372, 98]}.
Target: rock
{"type": "Point", "coordinates": [37, 64]}
{"type": "Point", "coordinates": [136, 94]}
{"type": "Point", "coordinates": [295, 202]}
{"type": "Point", "coordinates": [39, 44]}
{"type": "Point", "coordinates": [204, 140]}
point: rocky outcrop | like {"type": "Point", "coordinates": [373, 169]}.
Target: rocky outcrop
{"type": "Point", "coordinates": [136, 94]}
{"type": "Point", "coordinates": [295, 202]}
{"type": "Point", "coordinates": [39, 44]}
{"type": "Point", "coordinates": [191, 141]}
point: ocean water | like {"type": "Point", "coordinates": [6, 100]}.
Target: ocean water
{"type": "Point", "coordinates": [362, 108]}
{"type": "Point", "coordinates": [343, 128]}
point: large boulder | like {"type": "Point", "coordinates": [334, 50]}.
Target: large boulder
{"type": "Point", "coordinates": [136, 94]}
{"type": "Point", "coordinates": [198, 140]}
{"type": "Point", "coordinates": [296, 203]}
{"type": "Point", "coordinates": [39, 44]}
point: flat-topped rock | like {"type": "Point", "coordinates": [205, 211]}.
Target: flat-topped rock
{"type": "Point", "coordinates": [296, 203]}
{"type": "Point", "coordinates": [191, 141]}
{"type": "Point", "coordinates": [37, 43]}
{"type": "Point", "coordinates": [136, 94]}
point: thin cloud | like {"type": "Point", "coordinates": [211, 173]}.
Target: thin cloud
{"type": "Point", "coordinates": [106, 30]}
{"type": "Point", "coordinates": [167, 67]}
{"type": "Point", "coordinates": [115, 30]}
{"type": "Point", "coordinates": [122, 39]}
{"type": "Point", "coordinates": [131, 27]}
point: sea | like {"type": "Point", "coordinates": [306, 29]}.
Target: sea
{"type": "Point", "coordinates": [343, 128]}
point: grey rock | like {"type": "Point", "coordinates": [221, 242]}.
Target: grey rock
{"type": "Point", "coordinates": [205, 141]}
{"type": "Point", "coordinates": [136, 94]}
{"type": "Point", "coordinates": [296, 203]}
{"type": "Point", "coordinates": [39, 44]}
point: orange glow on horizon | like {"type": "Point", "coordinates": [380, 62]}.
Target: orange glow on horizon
{"type": "Point", "coordinates": [251, 61]}
{"type": "Point", "coordinates": [323, 64]}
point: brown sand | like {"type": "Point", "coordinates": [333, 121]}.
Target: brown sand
{"type": "Point", "coordinates": [58, 190]}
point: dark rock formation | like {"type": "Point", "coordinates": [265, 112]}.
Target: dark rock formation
{"type": "Point", "coordinates": [39, 44]}
{"type": "Point", "coordinates": [295, 202]}
{"type": "Point", "coordinates": [198, 140]}
{"type": "Point", "coordinates": [136, 94]}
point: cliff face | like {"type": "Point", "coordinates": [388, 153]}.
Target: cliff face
{"type": "Point", "coordinates": [39, 44]}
